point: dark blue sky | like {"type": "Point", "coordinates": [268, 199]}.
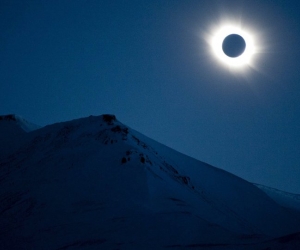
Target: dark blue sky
{"type": "Point", "coordinates": [147, 63]}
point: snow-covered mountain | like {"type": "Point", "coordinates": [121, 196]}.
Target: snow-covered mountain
{"type": "Point", "coordinates": [13, 129]}
{"type": "Point", "coordinates": [285, 199]}
{"type": "Point", "coordinates": [16, 120]}
{"type": "Point", "coordinates": [94, 183]}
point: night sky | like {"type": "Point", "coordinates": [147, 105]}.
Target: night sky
{"type": "Point", "coordinates": [148, 62]}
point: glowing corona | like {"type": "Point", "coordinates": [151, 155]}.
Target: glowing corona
{"type": "Point", "coordinates": [216, 38]}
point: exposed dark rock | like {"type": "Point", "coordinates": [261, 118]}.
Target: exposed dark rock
{"type": "Point", "coordinates": [184, 179]}
{"type": "Point", "coordinates": [116, 129]}
{"type": "Point", "coordinates": [109, 119]}
{"type": "Point", "coordinates": [170, 167]}
{"type": "Point", "coordinates": [9, 117]}
{"type": "Point", "coordinates": [140, 143]}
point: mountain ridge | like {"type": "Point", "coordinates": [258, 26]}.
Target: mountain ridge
{"type": "Point", "coordinates": [92, 169]}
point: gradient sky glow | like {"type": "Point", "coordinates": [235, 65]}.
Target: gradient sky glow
{"type": "Point", "coordinates": [148, 63]}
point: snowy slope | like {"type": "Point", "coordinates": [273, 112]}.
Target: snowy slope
{"type": "Point", "coordinates": [13, 130]}
{"type": "Point", "coordinates": [18, 121]}
{"type": "Point", "coordinates": [285, 199]}
{"type": "Point", "coordinates": [94, 183]}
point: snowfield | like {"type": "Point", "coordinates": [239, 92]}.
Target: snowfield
{"type": "Point", "coordinates": [95, 183]}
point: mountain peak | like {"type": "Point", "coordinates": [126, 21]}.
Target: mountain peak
{"type": "Point", "coordinates": [109, 118]}
{"type": "Point", "coordinates": [19, 121]}
{"type": "Point", "coordinates": [98, 183]}
{"type": "Point", "coordinates": [9, 117]}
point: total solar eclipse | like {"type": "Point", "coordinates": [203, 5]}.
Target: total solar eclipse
{"type": "Point", "coordinates": [233, 45]}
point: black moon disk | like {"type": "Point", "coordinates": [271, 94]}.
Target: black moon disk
{"type": "Point", "coordinates": [233, 45]}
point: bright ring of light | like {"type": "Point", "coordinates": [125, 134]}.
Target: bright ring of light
{"type": "Point", "coordinates": [217, 39]}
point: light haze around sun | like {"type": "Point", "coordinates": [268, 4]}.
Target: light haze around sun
{"type": "Point", "coordinates": [215, 35]}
